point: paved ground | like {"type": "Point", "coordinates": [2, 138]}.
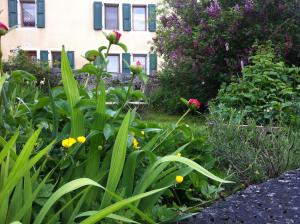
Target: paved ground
{"type": "Point", "coordinates": [275, 201]}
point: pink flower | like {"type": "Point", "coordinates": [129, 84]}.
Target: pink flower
{"type": "Point", "coordinates": [138, 63]}
{"type": "Point", "coordinates": [118, 35]}
{"type": "Point", "coordinates": [3, 29]}
{"type": "Point", "coordinates": [194, 103]}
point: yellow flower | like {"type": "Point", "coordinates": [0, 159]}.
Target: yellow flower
{"type": "Point", "coordinates": [178, 154]}
{"type": "Point", "coordinates": [135, 143]}
{"type": "Point", "coordinates": [67, 143]}
{"type": "Point", "coordinates": [179, 179]}
{"type": "Point", "coordinates": [81, 139]}
{"type": "Point", "coordinates": [257, 172]}
{"type": "Point", "coordinates": [142, 132]}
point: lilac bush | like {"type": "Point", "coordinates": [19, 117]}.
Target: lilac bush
{"type": "Point", "coordinates": [211, 41]}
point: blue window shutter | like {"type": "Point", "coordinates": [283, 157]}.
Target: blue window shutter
{"type": "Point", "coordinates": [126, 59]}
{"type": "Point", "coordinates": [71, 58]}
{"type": "Point", "coordinates": [12, 13]}
{"type": "Point", "coordinates": [152, 17]}
{"type": "Point", "coordinates": [127, 17]}
{"type": "Point", "coordinates": [40, 4]}
{"type": "Point", "coordinates": [153, 63]}
{"type": "Point", "coordinates": [98, 15]}
{"type": "Point", "coordinates": [44, 56]}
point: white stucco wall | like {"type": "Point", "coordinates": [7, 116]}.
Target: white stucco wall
{"type": "Point", "coordinates": [70, 23]}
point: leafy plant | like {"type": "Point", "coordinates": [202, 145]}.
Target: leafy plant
{"type": "Point", "coordinates": [268, 91]}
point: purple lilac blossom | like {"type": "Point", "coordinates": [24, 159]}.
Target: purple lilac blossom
{"type": "Point", "coordinates": [249, 5]}
{"type": "Point", "coordinates": [214, 9]}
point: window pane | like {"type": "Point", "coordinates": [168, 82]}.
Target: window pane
{"type": "Point", "coordinates": [111, 17]}
{"type": "Point", "coordinates": [139, 15]}
{"type": "Point", "coordinates": [113, 65]}
{"type": "Point", "coordinates": [142, 59]}
{"type": "Point", "coordinates": [28, 14]}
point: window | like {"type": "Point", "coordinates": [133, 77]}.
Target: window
{"type": "Point", "coordinates": [139, 18]}
{"type": "Point", "coordinates": [32, 55]}
{"type": "Point", "coordinates": [113, 64]}
{"type": "Point", "coordinates": [28, 13]}
{"type": "Point", "coordinates": [111, 17]}
{"type": "Point", "coordinates": [142, 58]}
{"type": "Point", "coordinates": [56, 59]}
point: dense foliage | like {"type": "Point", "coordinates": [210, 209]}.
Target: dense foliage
{"type": "Point", "coordinates": [268, 91]}
{"type": "Point", "coordinates": [205, 43]}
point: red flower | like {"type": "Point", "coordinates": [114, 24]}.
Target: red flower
{"type": "Point", "coordinates": [118, 35]}
{"type": "Point", "coordinates": [3, 29]}
{"type": "Point", "coordinates": [194, 102]}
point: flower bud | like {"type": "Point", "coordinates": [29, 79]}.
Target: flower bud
{"type": "Point", "coordinates": [136, 68]}
{"type": "Point", "coordinates": [3, 29]}
{"type": "Point", "coordinates": [194, 104]}
{"type": "Point", "coordinates": [114, 37]}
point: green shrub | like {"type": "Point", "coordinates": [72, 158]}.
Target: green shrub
{"type": "Point", "coordinates": [268, 91]}
{"type": "Point", "coordinates": [21, 61]}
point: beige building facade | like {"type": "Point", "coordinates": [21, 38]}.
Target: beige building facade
{"type": "Point", "coordinates": [43, 26]}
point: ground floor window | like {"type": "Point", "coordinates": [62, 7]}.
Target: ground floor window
{"type": "Point", "coordinates": [113, 64]}
{"type": "Point", "coordinates": [56, 59]}
{"type": "Point", "coordinates": [32, 55]}
{"type": "Point", "coordinates": [142, 58]}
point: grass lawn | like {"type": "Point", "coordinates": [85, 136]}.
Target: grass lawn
{"type": "Point", "coordinates": [164, 118]}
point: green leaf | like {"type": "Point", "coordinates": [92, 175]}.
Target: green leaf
{"type": "Point", "coordinates": [116, 206]}
{"type": "Point", "coordinates": [2, 80]}
{"type": "Point", "coordinates": [20, 75]}
{"type": "Point", "coordinates": [111, 216]}
{"type": "Point", "coordinates": [123, 46]}
{"type": "Point", "coordinates": [117, 160]}
{"type": "Point", "coordinates": [72, 92]}
{"type": "Point", "coordinates": [68, 187]}
{"type": "Point", "coordinates": [89, 68]}
{"type": "Point", "coordinates": [192, 165]}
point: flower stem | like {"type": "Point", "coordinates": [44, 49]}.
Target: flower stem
{"type": "Point", "coordinates": [1, 66]}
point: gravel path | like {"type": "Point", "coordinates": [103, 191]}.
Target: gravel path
{"type": "Point", "coordinates": [275, 201]}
